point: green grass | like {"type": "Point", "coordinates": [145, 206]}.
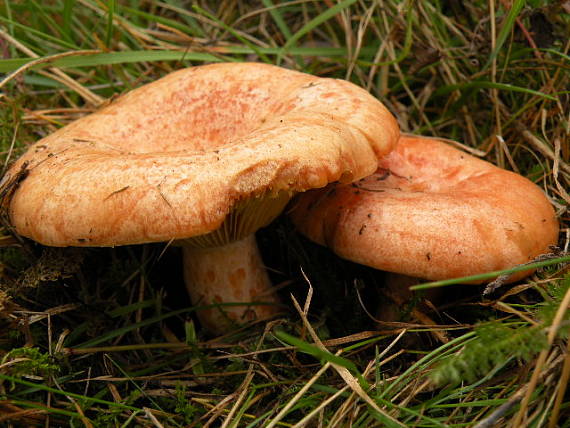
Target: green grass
{"type": "Point", "coordinates": [106, 337]}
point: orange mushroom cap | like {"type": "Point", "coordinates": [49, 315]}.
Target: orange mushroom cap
{"type": "Point", "coordinates": [433, 212]}
{"type": "Point", "coordinates": [172, 158]}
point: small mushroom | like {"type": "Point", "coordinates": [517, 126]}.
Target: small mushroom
{"type": "Point", "coordinates": [431, 211]}
{"type": "Point", "coordinates": [204, 156]}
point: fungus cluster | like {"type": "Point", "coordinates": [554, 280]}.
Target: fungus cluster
{"type": "Point", "coordinates": [204, 157]}
{"type": "Point", "coordinates": [207, 155]}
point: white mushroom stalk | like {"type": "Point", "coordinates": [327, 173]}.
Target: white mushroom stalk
{"type": "Point", "coordinates": [224, 270]}
{"type": "Point", "coordinates": [232, 282]}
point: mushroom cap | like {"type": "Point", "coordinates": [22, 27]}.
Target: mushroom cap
{"type": "Point", "coordinates": [170, 159]}
{"type": "Point", "coordinates": [433, 212]}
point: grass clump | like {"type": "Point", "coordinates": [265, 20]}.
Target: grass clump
{"type": "Point", "coordinates": [107, 337]}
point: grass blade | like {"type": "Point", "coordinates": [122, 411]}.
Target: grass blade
{"type": "Point", "coordinates": [124, 57]}
{"type": "Point", "coordinates": [311, 25]}
{"type": "Point", "coordinates": [110, 28]}
{"type": "Point", "coordinates": [407, 41]}
{"type": "Point", "coordinates": [506, 29]}
{"type": "Point", "coordinates": [444, 90]}
{"type": "Point", "coordinates": [233, 32]}
{"type": "Point", "coordinates": [316, 352]}
{"type": "Point", "coordinates": [489, 275]}
{"type": "Point", "coordinates": [120, 331]}
{"type": "Point", "coordinates": [42, 35]}
{"type": "Point", "coordinates": [43, 387]}
{"type": "Point", "coordinates": [67, 16]}
{"type": "Point", "coordinates": [279, 21]}
{"type": "Point", "coordinates": [161, 20]}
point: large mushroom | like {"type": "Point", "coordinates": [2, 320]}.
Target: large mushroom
{"type": "Point", "coordinates": [431, 211]}
{"type": "Point", "coordinates": [204, 156]}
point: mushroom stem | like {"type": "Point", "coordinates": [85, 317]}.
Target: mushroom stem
{"type": "Point", "coordinates": [233, 273]}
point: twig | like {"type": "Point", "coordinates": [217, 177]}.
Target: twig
{"type": "Point", "coordinates": [245, 384]}
{"type": "Point", "coordinates": [153, 418]}
{"type": "Point", "coordinates": [321, 406]}
{"type": "Point", "coordinates": [299, 394]}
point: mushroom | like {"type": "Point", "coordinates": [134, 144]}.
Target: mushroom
{"type": "Point", "coordinates": [204, 156]}
{"type": "Point", "coordinates": [431, 211]}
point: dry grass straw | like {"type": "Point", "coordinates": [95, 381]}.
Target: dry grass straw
{"type": "Point", "coordinates": [538, 369]}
